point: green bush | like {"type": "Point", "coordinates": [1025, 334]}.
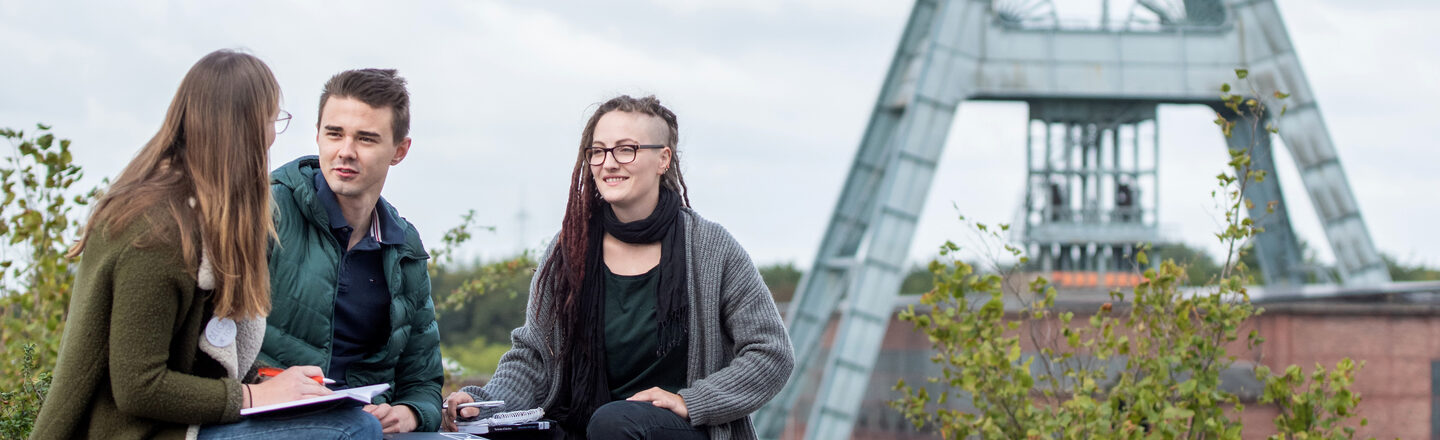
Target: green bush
{"type": "Point", "coordinates": [1170, 346]}
{"type": "Point", "coordinates": [477, 305]}
{"type": "Point", "coordinates": [19, 408]}
{"type": "Point", "coordinates": [37, 223]}
{"type": "Point", "coordinates": [478, 357]}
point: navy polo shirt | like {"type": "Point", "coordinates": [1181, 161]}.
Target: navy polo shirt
{"type": "Point", "coordinates": [362, 298]}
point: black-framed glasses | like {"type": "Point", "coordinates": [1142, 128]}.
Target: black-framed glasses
{"type": "Point", "coordinates": [282, 122]}
{"type": "Point", "coordinates": [623, 153]}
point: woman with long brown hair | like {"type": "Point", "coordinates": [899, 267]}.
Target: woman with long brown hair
{"type": "Point", "coordinates": [167, 312]}
{"type": "Point", "coordinates": [645, 320]}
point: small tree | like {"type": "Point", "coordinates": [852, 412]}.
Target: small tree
{"type": "Point", "coordinates": [37, 224]}
{"type": "Point", "coordinates": [1146, 365]}
{"type": "Point", "coordinates": [474, 353]}
{"type": "Point", "coordinates": [488, 277]}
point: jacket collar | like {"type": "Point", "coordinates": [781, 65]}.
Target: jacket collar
{"type": "Point", "coordinates": [298, 177]}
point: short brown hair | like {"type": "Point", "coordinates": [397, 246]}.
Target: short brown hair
{"type": "Point", "coordinates": [378, 88]}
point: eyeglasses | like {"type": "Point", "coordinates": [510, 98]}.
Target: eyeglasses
{"type": "Point", "coordinates": [282, 122]}
{"type": "Point", "coordinates": [623, 153]}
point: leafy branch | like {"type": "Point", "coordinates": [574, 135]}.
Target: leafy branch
{"type": "Point", "coordinates": [1145, 365]}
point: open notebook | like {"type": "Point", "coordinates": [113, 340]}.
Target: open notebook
{"type": "Point", "coordinates": [360, 396]}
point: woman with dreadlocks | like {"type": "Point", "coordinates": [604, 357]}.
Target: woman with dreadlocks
{"type": "Point", "coordinates": [645, 320]}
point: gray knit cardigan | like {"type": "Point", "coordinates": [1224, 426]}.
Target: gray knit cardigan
{"type": "Point", "coordinates": [740, 355]}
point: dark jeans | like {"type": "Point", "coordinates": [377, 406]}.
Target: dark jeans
{"type": "Point", "coordinates": [620, 419]}
{"type": "Point", "coordinates": [623, 419]}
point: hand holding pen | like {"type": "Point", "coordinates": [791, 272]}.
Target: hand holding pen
{"type": "Point", "coordinates": [293, 383]}
{"type": "Point", "coordinates": [269, 372]}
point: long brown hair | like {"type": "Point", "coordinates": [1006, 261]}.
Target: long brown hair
{"type": "Point", "coordinates": [564, 271]}
{"type": "Point", "coordinates": [212, 147]}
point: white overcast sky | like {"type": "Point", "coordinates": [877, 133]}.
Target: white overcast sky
{"type": "Point", "coordinates": [772, 97]}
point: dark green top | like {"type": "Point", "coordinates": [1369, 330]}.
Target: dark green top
{"type": "Point", "coordinates": [632, 338]}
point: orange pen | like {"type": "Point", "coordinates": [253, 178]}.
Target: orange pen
{"type": "Point", "coordinates": [272, 372]}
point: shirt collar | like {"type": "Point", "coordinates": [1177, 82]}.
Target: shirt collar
{"type": "Point", "coordinates": [383, 227]}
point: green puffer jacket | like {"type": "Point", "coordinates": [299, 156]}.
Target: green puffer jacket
{"type": "Point", "coordinates": [303, 271]}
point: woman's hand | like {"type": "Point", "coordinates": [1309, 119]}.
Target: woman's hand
{"type": "Point", "coordinates": [292, 384]}
{"type": "Point", "coordinates": [663, 399]}
{"type": "Point", "coordinates": [452, 404]}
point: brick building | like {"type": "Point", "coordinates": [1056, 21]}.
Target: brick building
{"type": "Point", "coordinates": [1394, 329]}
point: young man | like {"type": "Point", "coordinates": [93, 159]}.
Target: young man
{"type": "Point", "coordinates": [348, 283]}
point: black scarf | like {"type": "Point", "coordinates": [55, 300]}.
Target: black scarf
{"type": "Point", "coordinates": [588, 386]}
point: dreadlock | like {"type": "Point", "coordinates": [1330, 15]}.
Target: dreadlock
{"type": "Point", "coordinates": [564, 272]}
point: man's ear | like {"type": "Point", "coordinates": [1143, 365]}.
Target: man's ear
{"type": "Point", "coordinates": [402, 149]}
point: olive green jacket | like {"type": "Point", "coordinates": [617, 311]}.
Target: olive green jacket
{"type": "Point", "coordinates": [129, 365]}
